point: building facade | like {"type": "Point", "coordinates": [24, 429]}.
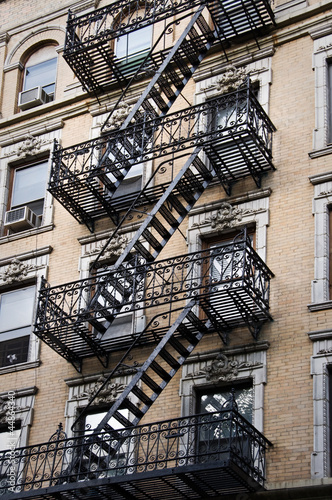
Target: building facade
{"type": "Point", "coordinates": [165, 274]}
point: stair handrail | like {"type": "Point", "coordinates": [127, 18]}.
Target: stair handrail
{"type": "Point", "coordinates": [121, 362]}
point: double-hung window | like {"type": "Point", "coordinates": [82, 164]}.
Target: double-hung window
{"type": "Point", "coordinates": [41, 75]}
{"type": "Point", "coordinates": [27, 193]}
{"type": "Point", "coordinates": [16, 313]}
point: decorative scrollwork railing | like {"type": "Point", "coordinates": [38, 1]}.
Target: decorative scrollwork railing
{"type": "Point", "coordinates": [205, 440]}
{"type": "Point", "coordinates": [215, 121]}
{"type": "Point", "coordinates": [231, 268]}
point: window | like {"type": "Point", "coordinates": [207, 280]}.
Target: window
{"type": "Point", "coordinates": [16, 312]}
{"type": "Point", "coordinates": [214, 399]}
{"type": "Point", "coordinates": [104, 445]}
{"type": "Point", "coordinates": [228, 264]}
{"type": "Point", "coordinates": [41, 75]}
{"type": "Point", "coordinates": [321, 372]}
{"type": "Point", "coordinates": [39, 78]}
{"type": "Point", "coordinates": [224, 436]}
{"type": "Point", "coordinates": [329, 70]}
{"type": "Point", "coordinates": [26, 204]}
{"type": "Point", "coordinates": [132, 48]}
{"type": "Point", "coordinates": [8, 437]}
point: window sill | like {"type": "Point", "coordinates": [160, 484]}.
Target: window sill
{"type": "Point", "coordinates": [321, 152]}
{"type": "Point", "coordinates": [19, 367]}
{"type": "Point", "coordinates": [25, 234]}
{"type": "Point", "coordinates": [320, 306]}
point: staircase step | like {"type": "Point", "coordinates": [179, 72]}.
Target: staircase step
{"type": "Point", "coordinates": [202, 169]}
{"type": "Point", "coordinates": [170, 360]}
{"type": "Point", "coordinates": [187, 334]}
{"type": "Point", "coordinates": [157, 389]}
{"type": "Point", "coordinates": [157, 225]}
{"type": "Point", "coordinates": [160, 371]}
{"type": "Point", "coordinates": [168, 216]}
{"type": "Point", "coordinates": [143, 251]}
{"type": "Point", "coordinates": [122, 419]}
{"type": "Point", "coordinates": [180, 348]}
{"type": "Point", "coordinates": [155, 95]}
{"type": "Point", "coordinates": [152, 240]}
{"type": "Point", "coordinates": [142, 396]}
{"type": "Point", "coordinates": [177, 205]}
{"type": "Point", "coordinates": [132, 408]}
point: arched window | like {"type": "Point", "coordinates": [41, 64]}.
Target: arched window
{"type": "Point", "coordinates": [39, 78]}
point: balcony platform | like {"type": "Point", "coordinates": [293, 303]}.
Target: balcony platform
{"type": "Point", "coordinates": [90, 38]}
{"type": "Point", "coordinates": [235, 132]}
{"type": "Point", "coordinates": [201, 456]}
{"type": "Point", "coordinates": [231, 284]}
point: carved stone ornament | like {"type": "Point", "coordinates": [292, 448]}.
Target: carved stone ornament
{"type": "Point", "coordinates": [226, 217]}
{"type": "Point", "coordinates": [15, 271]}
{"type": "Point", "coordinates": [231, 79]}
{"type": "Point", "coordinates": [115, 247]}
{"type": "Point", "coordinates": [225, 369]}
{"type": "Point", "coordinates": [31, 146]}
{"type": "Point", "coordinates": [108, 394]}
{"type": "Point", "coordinates": [119, 115]}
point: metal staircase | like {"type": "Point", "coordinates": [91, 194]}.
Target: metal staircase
{"type": "Point", "coordinates": [181, 327]}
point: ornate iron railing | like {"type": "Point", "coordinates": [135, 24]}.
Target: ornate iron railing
{"type": "Point", "coordinates": [231, 284]}
{"type": "Point", "coordinates": [222, 440]}
{"type": "Point", "coordinates": [234, 130]}
{"type": "Point", "coordinates": [90, 38]}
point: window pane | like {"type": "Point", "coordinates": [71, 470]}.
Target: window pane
{"type": "Point", "coordinates": [41, 74]}
{"type": "Point", "coordinates": [214, 401]}
{"type": "Point", "coordinates": [134, 42]}
{"type": "Point", "coordinates": [16, 309]}
{"type": "Point", "coordinates": [139, 40]}
{"type": "Point", "coordinates": [121, 46]}
{"type": "Point", "coordinates": [7, 438]}
{"type": "Point", "coordinates": [29, 184]}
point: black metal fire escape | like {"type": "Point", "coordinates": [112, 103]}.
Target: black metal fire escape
{"type": "Point", "coordinates": [75, 319]}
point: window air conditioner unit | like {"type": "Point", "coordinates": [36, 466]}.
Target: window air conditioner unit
{"type": "Point", "coordinates": [33, 97]}
{"type": "Point", "coordinates": [20, 219]}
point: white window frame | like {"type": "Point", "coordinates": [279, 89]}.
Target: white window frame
{"type": "Point", "coordinates": [80, 390]}
{"type": "Point", "coordinates": [322, 54]}
{"type": "Point", "coordinates": [12, 154]}
{"type": "Point", "coordinates": [249, 364]}
{"type": "Point", "coordinates": [320, 209]}
{"type": "Point", "coordinates": [91, 246]}
{"type": "Point", "coordinates": [254, 212]}
{"type": "Point", "coordinates": [320, 361]}
{"type": "Point", "coordinates": [32, 266]}
{"type": "Point", "coordinates": [23, 400]}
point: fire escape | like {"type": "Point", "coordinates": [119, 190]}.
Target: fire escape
{"type": "Point", "coordinates": [185, 297]}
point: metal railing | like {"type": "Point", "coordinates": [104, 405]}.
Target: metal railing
{"type": "Point", "coordinates": [233, 268]}
{"type": "Point", "coordinates": [233, 128]}
{"type": "Point", "coordinates": [123, 17]}
{"type": "Point", "coordinates": [200, 441]}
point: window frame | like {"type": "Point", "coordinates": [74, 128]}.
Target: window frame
{"type": "Point", "coordinates": [13, 175]}
{"type": "Point", "coordinates": [51, 94]}
{"type": "Point", "coordinates": [321, 372]}
{"type": "Point", "coordinates": [25, 286]}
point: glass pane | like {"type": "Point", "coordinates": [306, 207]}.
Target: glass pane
{"type": "Point", "coordinates": [41, 74]}
{"type": "Point", "coordinates": [121, 46]}
{"type": "Point", "coordinates": [29, 184]}
{"type": "Point", "coordinates": [16, 308]}
{"type": "Point", "coordinates": [214, 401]}
{"type": "Point", "coordinates": [92, 420]}
{"type": "Point", "coordinates": [7, 438]}
{"type": "Point", "coordinates": [139, 40]}
{"type": "Point", "coordinates": [134, 42]}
